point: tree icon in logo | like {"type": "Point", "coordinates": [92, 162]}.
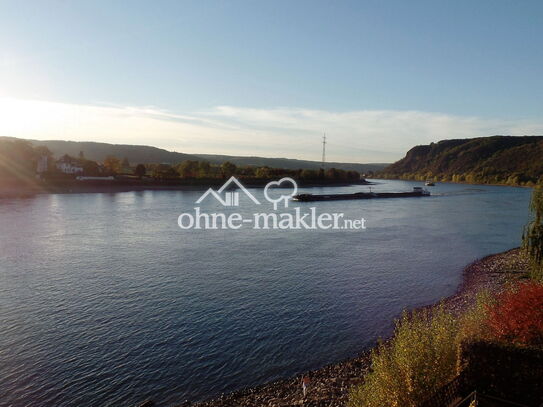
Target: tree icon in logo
{"type": "Point", "coordinates": [282, 183]}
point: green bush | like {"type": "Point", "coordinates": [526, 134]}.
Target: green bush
{"type": "Point", "coordinates": [421, 357]}
{"type": "Point", "coordinates": [473, 324]}
{"type": "Point", "coordinates": [532, 240]}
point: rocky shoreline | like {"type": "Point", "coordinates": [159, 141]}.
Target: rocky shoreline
{"type": "Point", "coordinates": [330, 385]}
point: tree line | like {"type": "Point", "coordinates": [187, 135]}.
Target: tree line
{"type": "Point", "coordinates": [486, 160]}
{"type": "Point", "coordinates": [192, 169]}
{"type": "Point", "coordinates": [19, 159]}
{"type": "Point", "coordinates": [486, 176]}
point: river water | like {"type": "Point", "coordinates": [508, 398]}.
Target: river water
{"type": "Point", "coordinates": [105, 301]}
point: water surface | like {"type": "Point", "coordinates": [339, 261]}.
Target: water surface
{"type": "Point", "coordinates": [105, 301]}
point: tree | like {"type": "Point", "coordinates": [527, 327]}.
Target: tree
{"type": "Point", "coordinates": [17, 159]}
{"type": "Point", "coordinates": [90, 167]}
{"type": "Point", "coordinates": [332, 173]}
{"type": "Point", "coordinates": [517, 316]}
{"type": "Point", "coordinates": [81, 155]}
{"type": "Point", "coordinates": [164, 171]}
{"type": "Point", "coordinates": [204, 169]}
{"type": "Point", "coordinates": [309, 175]}
{"type": "Point", "coordinates": [228, 169]}
{"type": "Point", "coordinates": [112, 164]}
{"type": "Point", "coordinates": [420, 358]}
{"type": "Point", "coordinates": [532, 240]}
{"type": "Point", "coordinates": [140, 170]}
{"type": "Point", "coordinates": [353, 175]}
{"type": "Point", "coordinates": [263, 172]}
{"type": "Point", "coordinates": [248, 171]}
{"type": "Point", "coordinates": [125, 163]}
{"type": "Point", "coordinates": [321, 174]}
{"type": "Point", "coordinates": [188, 169]}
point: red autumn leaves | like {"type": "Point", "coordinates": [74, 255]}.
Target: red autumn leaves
{"type": "Point", "coordinates": [517, 315]}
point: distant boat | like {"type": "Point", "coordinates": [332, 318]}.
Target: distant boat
{"type": "Point", "coordinates": [417, 192]}
{"type": "Point", "coordinates": [429, 183]}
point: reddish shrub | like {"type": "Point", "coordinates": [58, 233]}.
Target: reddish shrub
{"type": "Point", "coordinates": [517, 315]}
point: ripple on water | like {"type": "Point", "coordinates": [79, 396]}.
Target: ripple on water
{"type": "Point", "coordinates": [105, 302]}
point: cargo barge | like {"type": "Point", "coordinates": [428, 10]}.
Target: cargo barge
{"type": "Point", "coordinates": [417, 192]}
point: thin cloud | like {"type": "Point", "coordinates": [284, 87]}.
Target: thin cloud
{"type": "Point", "coordinates": [354, 136]}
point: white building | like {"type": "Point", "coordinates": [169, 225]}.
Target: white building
{"type": "Point", "coordinates": [69, 166]}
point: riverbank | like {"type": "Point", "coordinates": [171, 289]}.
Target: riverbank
{"type": "Point", "coordinates": [330, 384]}
{"type": "Point", "coordinates": [130, 185]}
{"type": "Point", "coordinates": [492, 184]}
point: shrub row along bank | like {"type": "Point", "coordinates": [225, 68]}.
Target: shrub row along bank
{"type": "Point", "coordinates": [425, 352]}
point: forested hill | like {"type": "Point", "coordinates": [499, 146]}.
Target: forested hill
{"type": "Point", "coordinates": [493, 160]}
{"type": "Point", "coordinates": [136, 154]}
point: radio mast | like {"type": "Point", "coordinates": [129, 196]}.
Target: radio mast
{"type": "Point", "coordinates": [323, 150]}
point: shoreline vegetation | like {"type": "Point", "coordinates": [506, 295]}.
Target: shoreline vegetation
{"type": "Point", "coordinates": [145, 154]}
{"type": "Point", "coordinates": [436, 181]}
{"type": "Point", "coordinates": [496, 160]}
{"type": "Point", "coordinates": [27, 170]}
{"type": "Point", "coordinates": [449, 181]}
{"type": "Point", "coordinates": [331, 385]}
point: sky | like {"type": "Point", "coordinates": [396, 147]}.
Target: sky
{"type": "Point", "coordinates": [269, 78]}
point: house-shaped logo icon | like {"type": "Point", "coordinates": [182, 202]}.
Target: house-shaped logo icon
{"type": "Point", "coordinates": [231, 198]}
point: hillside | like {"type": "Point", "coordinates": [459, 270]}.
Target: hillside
{"type": "Point", "coordinates": [497, 160]}
{"type": "Point", "coordinates": [290, 163]}
{"type": "Point", "coordinates": [147, 155]}
{"type": "Point", "coordinates": [99, 151]}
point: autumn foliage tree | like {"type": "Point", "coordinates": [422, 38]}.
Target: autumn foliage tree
{"type": "Point", "coordinates": [419, 359]}
{"type": "Point", "coordinates": [112, 164]}
{"type": "Point", "coordinates": [18, 160]}
{"type": "Point", "coordinates": [228, 169]}
{"type": "Point", "coordinates": [517, 315]}
{"type": "Point", "coordinates": [188, 169]}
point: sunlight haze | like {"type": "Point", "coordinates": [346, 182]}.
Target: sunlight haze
{"type": "Point", "coordinates": [231, 78]}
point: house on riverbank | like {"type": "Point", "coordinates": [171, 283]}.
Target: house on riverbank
{"type": "Point", "coordinates": [69, 165]}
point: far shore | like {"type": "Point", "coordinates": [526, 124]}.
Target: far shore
{"type": "Point", "coordinates": [458, 182]}
{"type": "Point", "coordinates": [330, 384]}
{"type": "Point", "coordinates": [79, 187]}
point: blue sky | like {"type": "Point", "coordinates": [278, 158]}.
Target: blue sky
{"type": "Point", "coordinates": [267, 78]}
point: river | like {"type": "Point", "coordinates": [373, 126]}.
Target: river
{"type": "Point", "coordinates": [106, 301]}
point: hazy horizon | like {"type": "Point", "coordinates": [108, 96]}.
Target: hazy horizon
{"type": "Point", "coordinates": [268, 79]}
{"type": "Point", "coordinates": [183, 152]}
